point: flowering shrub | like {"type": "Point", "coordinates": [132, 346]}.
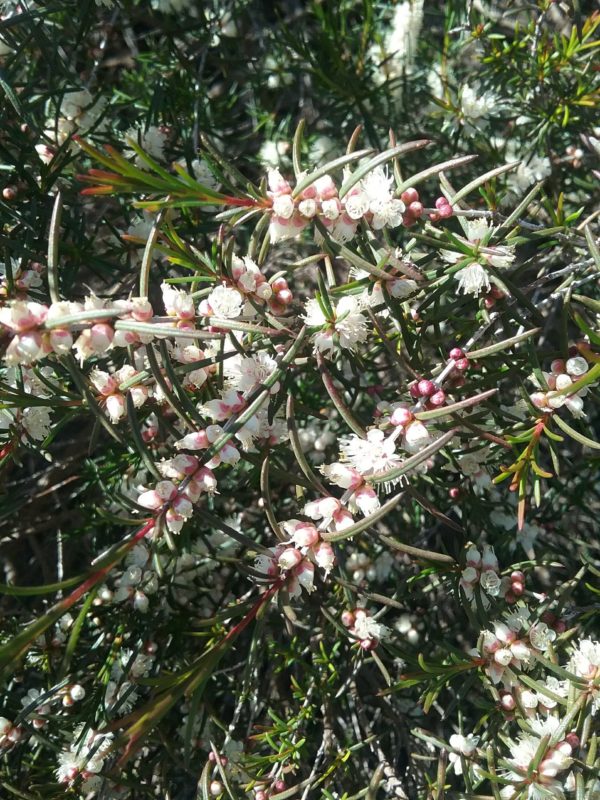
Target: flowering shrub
{"type": "Point", "coordinates": [299, 425]}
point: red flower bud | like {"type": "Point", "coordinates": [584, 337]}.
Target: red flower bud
{"type": "Point", "coordinates": [426, 388]}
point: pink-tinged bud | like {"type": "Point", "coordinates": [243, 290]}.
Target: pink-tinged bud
{"type": "Point", "coordinates": [440, 203]}
{"type": "Point", "coordinates": [305, 535]}
{"type": "Point", "coordinates": [185, 464]}
{"type": "Point", "coordinates": [557, 367]}
{"type": "Point", "coordinates": [323, 508]}
{"type": "Point", "coordinates": [456, 353]}
{"type": "Point", "coordinates": [115, 407]}
{"type": "Point", "coordinates": [260, 795]}
{"type": "Point", "coordinates": [517, 588]}
{"type": "Point", "coordinates": [24, 348]}
{"type": "Point", "coordinates": [539, 399]}
{"type": "Point", "coordinates": [325, 188]}
{"type": "Point", "coordinates": [408, 220]}
{"type": "Point", "coordinates": [151, 500]}
{"type": "Point", "coordinates": [462, 364]}
{"type": "Point", "coordinates": [401, 416]}
{"type": "Point", "coordinates": [454, 493]}
{"type": "Point", "coordinates": [414, 391]}
{"type": "Point", "coordinates": [368, 644]}
{"type": "Point", "coordinates": [279, 786]}
{"type": "Point", "coordinates": [366, 499]}
{"type": "Point", "coordinates": [446, 211]}
{"type": "Point", "coordinates": [434, 217]}
{"type": "Point", "coordinates": [409, 196]}
{"type": "Point", "coordinates": [438, 399]}
{"type": "Point", "coordinates": [205, 478]}
{"type": "Point", "coordinates": [517, 575]}
{"type": "Point", "coordinates": [141, 309]}
{"type": "Point", "coordinates": [193, 441]}
{"type": "Point", "coordinates": [277, 183]}
{"type": "Point", "coordinates": [285, 297]}
{"type": "Point", "coordinates": [416, 437]}
{"type": "Point", "coordinates": [216, 788]}
{"type": "Point", "coordinates": [289, 558]}
{"type": "Point", "coordinates": [343, 520]}
{"type": "Point", "coordinates": [348, 619]}
{"type": "Point", "coordinates": [508, 702]}
{"type": "Point", "coordinates": [415, 209]}
{"type": "Point", "coordinates": [560, 626]}
{"type": "Point", "coordinates": [497, 293]}
{"type": "Point", "coordinates": [324, 556]}
{"type": "Point", "coordinates": [61, 341]}
{"type": "Point", "coordinates": [183, 506]}
{"type": "Point", "coordinates": [125, 338]}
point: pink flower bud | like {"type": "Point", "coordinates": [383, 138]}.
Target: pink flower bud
{"type": "Point", "coordinates": [438, 398]}
{"type": "Point", "coordinates": [508, 702]}
{"type": "Point", "coordinates": [456, 353]}
{"type": "Point", "coordinates": [285, 297]}
{"type": "Point", "coordinates": [401, 416]}
{"type": "Point", "coordinates": [440, 203]}
{"type": "Point", "coordinates": [446, 211]}
{"type": "Point", "coordinates": [557, 367]}
{"type": "Point", "coordinates": [348, 619]}
{"type": "Point", "coordinates": [462, 364]}
{"type": "Point", "coordinates": [415, 209]}
{"type": "Point", "coordinates": [409, 196]}
{"type": "Point", "coordinates": [573, 739]}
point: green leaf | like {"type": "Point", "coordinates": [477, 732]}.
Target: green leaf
{"type": "Point", "coordinates": [579, 437]}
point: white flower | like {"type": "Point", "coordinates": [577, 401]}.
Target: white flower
{"type": "Point", "coordinates": [365, 627]}
{"type": "Point", "coordinates": [244, 374]}
{"type": "Point", "coordinates": [371, 455]}
{"type": "Point", "coordinates": [313, 314]}
{"type": "Point", "coordinates": [152, 140]}
{"type": "Point", "coordinates": [474, 106]}
{"type": "Point", "coordinates": [462, 745]}
{"type": "Point", "coordinates": [350, 324]}
{"type": "Point", "coordinates": [225, 302]}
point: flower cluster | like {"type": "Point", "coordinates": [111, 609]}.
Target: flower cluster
{"type": "Point", "coordinates": [563, 374]}
{"type": "Point", "coordinates": [370, 200]}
